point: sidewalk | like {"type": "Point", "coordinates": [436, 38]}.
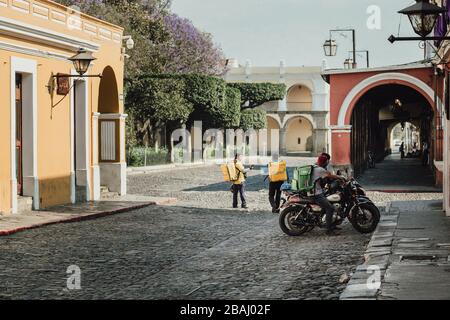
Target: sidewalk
{"type": "Point", "coordinates": [411, 248]}
{"type": "Point", "coordinates": [10, 224]}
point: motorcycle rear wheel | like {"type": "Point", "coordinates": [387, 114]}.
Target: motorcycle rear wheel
{"type": "Point", "coordinates": [368, 222]}
{"type": "Point", "coordinates": [286, 218]}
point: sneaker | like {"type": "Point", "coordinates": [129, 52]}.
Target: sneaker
{"type": "Point", "coordinates": [275, 210]}
{"type": "Point", "coordinates": [244, 206]}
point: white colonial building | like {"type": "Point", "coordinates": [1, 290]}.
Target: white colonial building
{"type": "Point", "coordinates": [302, 117]}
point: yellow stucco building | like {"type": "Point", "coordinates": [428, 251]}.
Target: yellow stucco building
{"type": "Point", "coordinates": [55, 148]}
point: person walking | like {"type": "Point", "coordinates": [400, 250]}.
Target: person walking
{"type": "Point", "coordinates": [402, 150]}
{"type": "Point", "coordinates": [238, 187]}
{"type": "Point", "coordinates": [275, 190]}
{"type": "Point", "coordinates": [426, 153]}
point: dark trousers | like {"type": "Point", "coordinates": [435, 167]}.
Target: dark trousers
{"type": "Point", "coordinates": [326, 205]}
{"type": "Point", "coordinates": [239, 189]}
{"type": "Point", "coordinates": [275, 194]}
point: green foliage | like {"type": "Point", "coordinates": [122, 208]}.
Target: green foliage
{"type": "Point", "coordinates": [253, 119]}
{"type": "Point", "coordinates": [209, 98]}
{"type": "Point", "coordinates": [162, 100]}
{"type": "Point", "coordinates": [255, 94]}
{"type": "Point", "coordinates": [141, 156]}
{"type": "Point", "coordinates": [232, 108]}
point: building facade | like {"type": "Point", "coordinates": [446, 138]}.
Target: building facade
{"type": "Point", "coordinates": [58, 147]}
{"type": "Point", "coordinates": [301, 118]}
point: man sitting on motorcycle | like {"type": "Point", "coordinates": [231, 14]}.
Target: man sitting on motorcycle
{"type": "Point", "coordinates": [319, 175]}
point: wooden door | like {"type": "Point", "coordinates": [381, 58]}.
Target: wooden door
{"type": "Point", "coordinates": [19, 166]}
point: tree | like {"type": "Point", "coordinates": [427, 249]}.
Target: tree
{"type": "Point", "coordinates": [189, 50]}
{"type": "Point", "coordinates": [157, 103]}
{"type": "Point", "coordinates": [253, 119]}
{"type": "Point", "coordinates": [255, 94]}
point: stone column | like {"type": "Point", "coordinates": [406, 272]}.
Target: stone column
{"type": "Point", "coordinates": [320, 133]}
{"type": "Point", "coordinates": [95, 167]}
{"type": "Point", "coordinates": [283, 150]}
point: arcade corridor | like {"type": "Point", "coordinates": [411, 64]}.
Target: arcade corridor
{"type": "Point", "coordinates": [375, 115]}
{"type": "Point", "coordinates": [399, 175]}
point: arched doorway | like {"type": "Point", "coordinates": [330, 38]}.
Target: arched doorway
{"type": "Point", "coordinates": [110, 147]}
{"type": "Point", "coordinates": [377, 112]}
{"type": "Point", "coordinates": [299, 98]}
{"type": "Point", "coordinates": [108, 97]}
{"type": "Point", "coordinates": [299, 135]}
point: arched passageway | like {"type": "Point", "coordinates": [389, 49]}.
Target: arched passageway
{"type": "Point", "coordinates": [378, 112]}
{"type": "Point", "coordinates": [111, 137]}
{"type": "Point", "coordinates": [299, 135]}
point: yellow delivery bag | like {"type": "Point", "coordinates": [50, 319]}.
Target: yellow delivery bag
{"type": "Point", "coordinates": [277, 171]}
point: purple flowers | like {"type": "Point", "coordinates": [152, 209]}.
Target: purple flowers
{"type": "Point", "coordinates": [190, 50]}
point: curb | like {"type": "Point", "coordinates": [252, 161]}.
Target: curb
{"type": "Point", "coordinates": [362, 284]}
{"type": "Point", "coordinates": [86, 217]}
{"type": "Point", "coordinates": [150, 169]}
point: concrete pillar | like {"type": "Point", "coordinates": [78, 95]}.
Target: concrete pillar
{"type": "Point", "coordinates": [340, 152]}
{"type": "Point", "coordinates": [283, 150]}
{"type": "Point", "coordinates": [320, 133]}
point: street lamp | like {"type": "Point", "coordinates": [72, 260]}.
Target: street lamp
{"type": "Point", "coordinates": [81, 61]}
{"type": "Point", "coordinates": [348, 63]}
{"type": "Point", "coordinates": [367, 56]}
{"type": "Point", "coordinates": [423, 17]}
{"type": "Point", "coordinates": [330, 46]}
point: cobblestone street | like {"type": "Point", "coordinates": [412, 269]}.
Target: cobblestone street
{"type": "Point", "coordinates": [198, 249]}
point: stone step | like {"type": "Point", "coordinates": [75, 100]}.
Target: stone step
{"type": "Point", "coordinates": [24, 204]}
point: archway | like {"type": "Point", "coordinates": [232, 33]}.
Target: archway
{"type": "Point", "coordinates": [377, 111]}
{"type": "Point", "coordinates": [111, 174]}
{"type": "Point", "coordinates": [108, 96]}
{"type": "Point", "coordinates": [299, 135]}
{"type": "Point", "coordinates": [299, 98]}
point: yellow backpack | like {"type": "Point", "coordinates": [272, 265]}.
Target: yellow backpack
{"type": "Point", "coordinates": [229, 171]}
{"type": "Point", "coordinates": [277, 171]}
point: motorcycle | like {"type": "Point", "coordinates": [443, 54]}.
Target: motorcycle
{"type": "Point", "coordinates": [300, 214]}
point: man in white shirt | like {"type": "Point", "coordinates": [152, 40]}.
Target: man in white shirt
{"type": "Point", "coordinates": [320, 173]}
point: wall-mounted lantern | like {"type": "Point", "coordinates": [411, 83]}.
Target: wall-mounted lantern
{"type": "Point", "coordinates": [81, 61]}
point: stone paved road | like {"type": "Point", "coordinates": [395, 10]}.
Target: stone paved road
{"type": "Point", "coordinates": [198, 249]}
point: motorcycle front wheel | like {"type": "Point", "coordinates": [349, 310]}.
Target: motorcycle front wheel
{"type": "Point", "coordinates": [287, 216]}
{"type": "Point", "coordinates": [365, 218]}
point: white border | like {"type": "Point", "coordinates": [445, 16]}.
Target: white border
{"type": "Point", "coordinates": [20, 65]}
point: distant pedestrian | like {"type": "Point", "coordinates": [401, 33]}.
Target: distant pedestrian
{"type": "Point", "coordinates": [402, 150]}
{"type": "Point", "coordinates": [425, 154]}
{"type": "Point", "coordinates": [238, 186]}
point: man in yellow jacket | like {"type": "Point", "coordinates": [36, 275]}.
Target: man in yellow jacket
{"type": "Point", "coordinates": [239, 184]}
